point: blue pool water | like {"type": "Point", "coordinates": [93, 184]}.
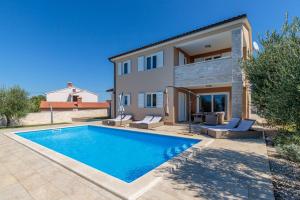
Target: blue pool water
{"type": "Point", "coordinates": [124, 154]}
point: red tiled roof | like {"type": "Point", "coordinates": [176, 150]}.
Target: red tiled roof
{"type": "Point", "coordinates": [72, 105]}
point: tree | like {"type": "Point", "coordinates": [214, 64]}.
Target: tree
{"type": "Point", "coordinates": [13, 103]}
{"type": "Point", "coordinates": [274, 75]}
{"type": "Point", "coordinates": [35, 102]}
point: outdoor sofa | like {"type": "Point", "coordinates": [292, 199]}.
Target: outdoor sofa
{"type": "Point", "coordinates": [214, 118]}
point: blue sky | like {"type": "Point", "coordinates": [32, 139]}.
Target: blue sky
{"type": "Point", "coordinates": [46, 43]}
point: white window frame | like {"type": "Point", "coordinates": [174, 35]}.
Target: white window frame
{"type": "Point", "coordinates": [151, 101]}
{"type": "Point", "coordinates": [212, 105]}
{"type": "Point", "coordinates": [151, 62]}
{"type": "Point", "coordinates": [159, 60]}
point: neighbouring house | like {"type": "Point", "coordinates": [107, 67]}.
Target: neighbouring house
{"type": "Point", "coordinates": [157, 79]}
{"type": "Point", "coordinates": [72, 98]}
{"type": "Point", "coordinates": [67, 104]}
{"type": "Point", "coordinates": [71, 94]}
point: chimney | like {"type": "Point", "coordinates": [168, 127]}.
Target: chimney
{"type": "Point", "coordinates": [69, 84]}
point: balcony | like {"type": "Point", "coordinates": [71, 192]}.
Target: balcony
{"type": "Point", "coordinates": [212, 72]}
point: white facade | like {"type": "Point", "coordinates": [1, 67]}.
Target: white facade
{"type": "Point", "coordinates": [71, 94]}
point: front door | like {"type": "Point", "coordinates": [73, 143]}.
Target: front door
{"type": "Point", "coordinates": [181, 106]}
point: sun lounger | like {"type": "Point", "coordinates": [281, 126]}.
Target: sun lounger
{"type": "Point", "coordinates": [155, 121]}
{"type": "Point", "coordinates": [231, 124]}
{"type": "Point", "coordinates": [242, 131]}
{"type": "Point", "coordinates": [118, 121]}
{"type": "Point", "coordinates": [147, 119]}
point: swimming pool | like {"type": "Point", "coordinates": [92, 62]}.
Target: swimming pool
{"type": "Point", "coordinates": [126, 155]}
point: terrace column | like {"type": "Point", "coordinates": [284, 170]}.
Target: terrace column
{"type": "Point", "coordinates": [237, 77]}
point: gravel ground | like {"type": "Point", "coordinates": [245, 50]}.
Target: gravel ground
{"type": "Point", "coordinates": [286, 176]}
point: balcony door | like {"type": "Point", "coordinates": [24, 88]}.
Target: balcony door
{"type": "Point", "coordinates": [182, 59]}
{"type": "Point", "coordinates": [213, 102]}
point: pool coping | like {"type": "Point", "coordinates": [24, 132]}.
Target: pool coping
{"type": "Point", "coordinates": [112, 184]}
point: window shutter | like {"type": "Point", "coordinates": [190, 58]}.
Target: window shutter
{"type": "Point", "coordinates": [119, 69]}
{"type": "Point", "coordinates": [159, 100]}
{"type": "Point", "coordinates": [160, 59]}
{"type": "Point", "coordinates": [129, 66]}
{"type": "Point", "coordinates": [141, 100]}
{"type": "Point", "coordinates": [141, 63]}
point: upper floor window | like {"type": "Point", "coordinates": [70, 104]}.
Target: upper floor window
{"type": "Point", "coordinates": [124, 67]}
{"type": "Point", "coordinates": [152, 61]}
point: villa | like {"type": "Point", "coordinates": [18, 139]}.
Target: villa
{"type": "Point", "coordinates": [203, 65]}
{"type": "Point", "coordinates": [86, 158]}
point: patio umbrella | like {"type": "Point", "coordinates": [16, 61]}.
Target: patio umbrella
{"type": "Point", "coordinates": [166, 103]}
{"type": "Point", "coordinates": [121, 108]}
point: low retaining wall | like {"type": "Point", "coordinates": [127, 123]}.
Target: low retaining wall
{"type": "Point", "coordinates": [44, 117]}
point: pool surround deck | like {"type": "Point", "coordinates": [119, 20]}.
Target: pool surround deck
{"type": "Point", "coordinates": [114, 185]}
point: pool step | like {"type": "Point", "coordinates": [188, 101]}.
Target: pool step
{"type": "Point", "coordinates": [169, 153]}
{"type": "Point", "coordinates": [179, 161]}
{"type": "Point", "coordinates": [172, 151]}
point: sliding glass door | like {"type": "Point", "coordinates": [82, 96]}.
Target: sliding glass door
{"type": "Point", "coordinates": [219, 103]}
{"type": "Point", "coordinates": [205, 103]}
{"type": "Point", "coordinates": [214, 102]}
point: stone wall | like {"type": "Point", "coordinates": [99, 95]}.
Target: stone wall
{"type": "Point", "coordinates": [44, 117]}
{"type": "Point", "coordinates": [214, 72]}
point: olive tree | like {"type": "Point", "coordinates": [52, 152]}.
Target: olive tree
{"type": "Point", "coordinates": [13, 103]}
{"type": "Point", "coordinates": [35, 102]}
{"type": "Point", "coordinates": [274, 75]}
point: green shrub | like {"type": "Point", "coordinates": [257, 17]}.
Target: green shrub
{"type": "Point", "coordinates": [287, 138]}
{"type": "Point", "coordinates": [274, 74]}
{"type": "Point", "coordinates": [288, 145]}
{"type": "Point", "coordinates": [290, 151]}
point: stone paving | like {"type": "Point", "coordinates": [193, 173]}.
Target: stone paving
{"type": "Point", "coordinates": [226, 169]}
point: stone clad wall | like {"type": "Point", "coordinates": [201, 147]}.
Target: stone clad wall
{"type": "Point", "coordinates": [204, 73]}
{"type": "Point", "coordinates": [44, 117]}
{"type": "Point", "coordinates": [237, 76]}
